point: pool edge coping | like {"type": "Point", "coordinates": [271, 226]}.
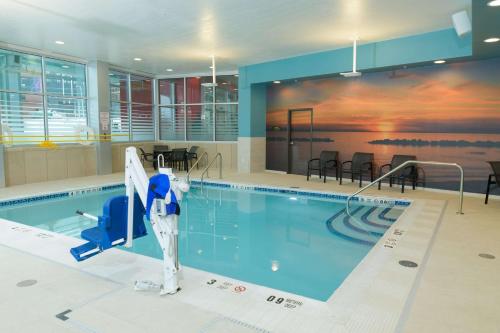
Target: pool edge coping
{"type": "Point", "coordinates": [372, 200]}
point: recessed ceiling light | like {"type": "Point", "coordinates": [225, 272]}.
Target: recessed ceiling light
{"type": "Point", "coordinates": [276, 82]}
{"type": "Point", "coordinates": [494, 3]}
{"type": "Point", "coordinates": [439, 61]}
{"type": "Point", "coordinates": [170, 70]}
{"type": "Point", "coordinates": [65, 66]}
{"type": "Point", "coordinates": [137, 59]}
{"type": "Point", "coordinates": [236, 75]}
{"type": "Point", "coordinates": [491, 40]}
{"type": "Point", "coordinates": [60, 42]}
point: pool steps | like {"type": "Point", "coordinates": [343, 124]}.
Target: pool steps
{"type": "Point", "coordinates": [362, 230]}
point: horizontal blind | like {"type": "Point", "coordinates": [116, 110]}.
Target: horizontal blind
{"type": "Point", "coordinates": [200, 125]}
{"type": "Point", "coordinates": [65, 115]}
{"type": "Point", "coordinates": [119, 121]}
{"type": "Point", "coordinates": [23, 114]}
{"type": "Point", "coordinates": [172, 123]}
{"type": "Point", "coordinates": [142, 122]}
{"type": "Point", "coordinates": [226, 122]}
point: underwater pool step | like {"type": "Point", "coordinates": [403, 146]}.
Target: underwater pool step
{"type": "Point", "coordinates": [365, 228]}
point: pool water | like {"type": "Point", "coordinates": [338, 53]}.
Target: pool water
{"type": "Point", "coordinates": [298, 244]}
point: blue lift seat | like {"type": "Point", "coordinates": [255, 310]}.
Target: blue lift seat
{"type": "Point", "coordinates": [111, 229]}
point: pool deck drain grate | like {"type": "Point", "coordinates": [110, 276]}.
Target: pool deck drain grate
{"type": "Point", "coordinates": [26, 283]}
{"type": "Point", "coordinates": [408, 263]}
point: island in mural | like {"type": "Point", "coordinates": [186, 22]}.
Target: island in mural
{"type": "Point", "coordinates": [448, 113]}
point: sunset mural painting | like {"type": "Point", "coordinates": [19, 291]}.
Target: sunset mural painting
{"type": "Point", "coordinates": [448, 113]}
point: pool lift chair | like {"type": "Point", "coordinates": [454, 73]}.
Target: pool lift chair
{"type": "Point", "coordinates": [123, 220]}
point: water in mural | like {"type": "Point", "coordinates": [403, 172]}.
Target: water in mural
{"type": "Point", "coordinates": [448, 113]}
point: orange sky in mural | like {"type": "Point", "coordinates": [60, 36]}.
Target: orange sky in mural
{"type": "Point", "coordinates": [409, 101]}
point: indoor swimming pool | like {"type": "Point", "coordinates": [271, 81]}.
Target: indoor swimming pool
{"type": "Point", "coordinates": [293, 241]}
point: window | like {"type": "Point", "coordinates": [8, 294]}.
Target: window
{"type": "Point", "coordinates": [143, 128]}
{"type": "Point", "coordinates": [131, 109]}
{"type": "Point", "coordinates": [200, 126]}
{"type": "Point", "coordinates": [190, 108]}
{"type": "Point", "coordinates": [66, 91]}
{"type": "Point", "coordinates": [226, 118]}
{"type": "Point", "coordinates": [41, 98]}
{"type": "Point", "coordinates": [171, 91]}
{"type": "Point", "coordinates": [227, 89]}
{"type": "Point", "coordinates": [172, 122]}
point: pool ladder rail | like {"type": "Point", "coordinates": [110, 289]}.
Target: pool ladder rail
{"type": "Point", "coordinates": [205, 156]}
{"type": "Point", "coordinates": [405, 164]}
{"type": "Point", "coordinates": [162, 159]}
{"type": "Point", "coordinates": [205, 171]}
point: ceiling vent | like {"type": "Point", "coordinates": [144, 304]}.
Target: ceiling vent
{"type": "Point", "coordinates": [354, 73]}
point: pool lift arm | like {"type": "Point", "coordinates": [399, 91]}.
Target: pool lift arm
{"type": "Point", "coordinates": [158, 198]}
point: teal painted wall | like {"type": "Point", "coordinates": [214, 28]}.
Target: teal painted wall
{"type": "Point", "coordinates": [253, 79]}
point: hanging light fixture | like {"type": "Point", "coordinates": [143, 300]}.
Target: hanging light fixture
{"type": "Point", "coordinates": [214, 80]}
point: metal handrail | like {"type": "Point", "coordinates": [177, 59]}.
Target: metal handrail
{"type": "Point", "coordinates": [401, 166]}
{"type": "Point", "coordinates": [219, 155]}
{"type": "Point", "coordinates": [205, 154]}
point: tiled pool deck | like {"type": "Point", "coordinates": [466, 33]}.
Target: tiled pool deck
{"type": "Point", "coordinates": [456, 289]}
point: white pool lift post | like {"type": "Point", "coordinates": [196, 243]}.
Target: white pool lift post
{"type": "Point", "coordinates": [165, 226]}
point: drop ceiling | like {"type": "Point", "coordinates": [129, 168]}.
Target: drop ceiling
{"type": "Point", "coordinates": [182, 34]}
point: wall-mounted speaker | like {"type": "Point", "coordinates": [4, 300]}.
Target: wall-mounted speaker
{"type": "Point", "coordinates": [461, 22]}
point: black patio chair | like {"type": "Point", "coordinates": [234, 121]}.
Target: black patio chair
{"type": "Point", "coordinates": [328, 160]}
{"type": "Point", "coordinates": [401, 176]}
{"type": "Point", "coordinates": [147, 157]}
{"type": "Point", "coordinates": [493, 179]}
{"type": "Point", "coordinates": [361, 164]}
{"type": "Point", "coordinates": [178, 158]}
{"type": "Point", "coordinates": [192, 154]}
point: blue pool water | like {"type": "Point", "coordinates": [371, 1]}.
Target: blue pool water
{"type": "Point", "coordinates": [294, 243]}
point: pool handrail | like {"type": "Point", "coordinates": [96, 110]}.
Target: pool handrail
{"type": "Point", "coordinates": [162, 158]}
{"type": "Point", "coordinates": [403, 165]}
{"type": "Point", "coordinates": [205, 171]}
{"type": "Point", "coordinates": [205, 154]}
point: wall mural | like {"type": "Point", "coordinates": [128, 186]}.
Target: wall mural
{"type": "Point", "coordinates": [447, 113]}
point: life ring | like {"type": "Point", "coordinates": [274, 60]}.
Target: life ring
{"type": "Point", "coordinates": [7, 136]}
{"type": "Point", "coordinates": [84, 135]}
